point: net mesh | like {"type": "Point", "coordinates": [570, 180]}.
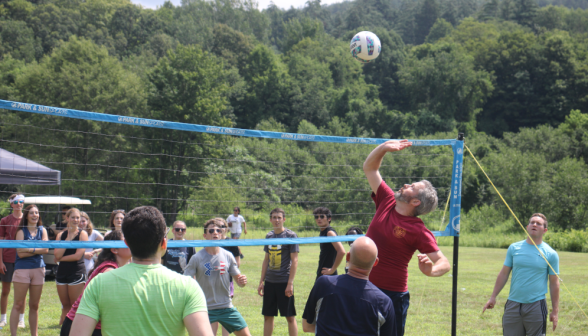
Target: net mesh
{"type": "Point", "coordinates": [193, 176]}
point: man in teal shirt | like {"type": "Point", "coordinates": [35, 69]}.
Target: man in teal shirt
{"type": "Point", "coordinates": [143, 297]}
{"type": "Point", "coordinates": [525, 312]}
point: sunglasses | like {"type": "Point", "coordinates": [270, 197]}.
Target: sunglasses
{"type": "Point", "coordinates": [320, 216]}
{"type": "Point", "coordinates": [180, 230]}
{"type": "Point", "coordinates": [215, 230]}
{"type": "Point", "coordinates": [17, 202]}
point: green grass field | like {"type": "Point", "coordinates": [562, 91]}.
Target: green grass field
{"type": "Point", "coordinates": [430, 310]}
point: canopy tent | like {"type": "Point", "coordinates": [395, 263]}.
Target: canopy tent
{"type": "Point", "coordinates": [15, 169]}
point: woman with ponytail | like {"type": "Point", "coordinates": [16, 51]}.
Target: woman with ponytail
{"type": "Point", "coordinates": [108, 260]}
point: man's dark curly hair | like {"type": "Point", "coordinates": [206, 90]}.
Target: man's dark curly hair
{"type": "Point", "coordinates": [144, 229]}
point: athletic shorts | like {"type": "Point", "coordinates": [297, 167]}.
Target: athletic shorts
{"type": "Point", "coordinates": [33, 276]}
{"type": "Point", "coordinates": [274, 299]}
{"type": "Point", "coordinates": [230, 318]}
{"type": "Point", "coordinates": [66, 327]}
{"type": "Point", "coordinates": [71, 280]}
{"type": "Point", "coordinates": [235, 235]}
{"type": "Point", "coordinates": [7, 276]}
{"type": "Point", "coordinates": [525, 319]}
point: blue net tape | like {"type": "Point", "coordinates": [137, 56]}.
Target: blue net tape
{"type": "Point", "coordinates": [175, 243]}
{"type": "Point", "coordinates": [111, 118]}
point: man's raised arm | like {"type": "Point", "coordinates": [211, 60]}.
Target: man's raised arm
{"type": "Point", "coordinates": [371, 166]}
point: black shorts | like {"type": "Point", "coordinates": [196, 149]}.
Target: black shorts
{"type": "Point", "coordinates": [66, 327]}
{"type": "Point", "coordinates": [274, 299]}
{"type": "Point", "coordinates": [7, 276]}
{"type": "Point", "coordinates": [71, 280]}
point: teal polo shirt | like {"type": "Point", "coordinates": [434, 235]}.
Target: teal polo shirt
{"type": "Point", "coordinates": [530, 272]}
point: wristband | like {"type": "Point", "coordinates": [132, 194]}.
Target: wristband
{"type": "Point", "coordinates": [34, 250]}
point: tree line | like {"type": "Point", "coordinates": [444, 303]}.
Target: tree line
{"type": "Point", "coordinates": [509, 73]}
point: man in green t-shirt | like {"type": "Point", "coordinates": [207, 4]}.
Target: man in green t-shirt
{"type": "Point", "coordinates": [143, 297]}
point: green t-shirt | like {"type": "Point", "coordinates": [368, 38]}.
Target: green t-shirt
{"type": "Point", "coordinates": [142, 300]}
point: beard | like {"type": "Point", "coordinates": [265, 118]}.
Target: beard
{"type": "Point", "coordinates": [399, 197]}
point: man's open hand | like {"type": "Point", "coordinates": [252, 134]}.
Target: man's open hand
{"type": "Point", "coordinates": [396, 145]}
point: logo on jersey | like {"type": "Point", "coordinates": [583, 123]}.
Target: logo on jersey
{"type": "Point", "coordinates": [222, 267]}
{"type": "Point", "coordinates": [208, 269]}
{"type": "Point", "coordinates": [275, 257]}
{"type": "Point", "coordinates": [399, 232]}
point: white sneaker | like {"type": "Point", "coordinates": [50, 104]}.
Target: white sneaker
{"type": "Point", "coordinates": [21, 324]}
{"type": "Point", "coordinates": [3, 323]}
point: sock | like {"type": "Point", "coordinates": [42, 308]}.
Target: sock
{"type": "Point", "coordinates": [21, 317]}
{"type": "Point", "coordinates": [3, 317]}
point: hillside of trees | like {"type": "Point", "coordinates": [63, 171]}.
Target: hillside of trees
{"type": "Point", "coordinates": [511, 74]}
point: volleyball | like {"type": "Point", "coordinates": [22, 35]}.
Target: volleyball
{"type": "Point", "coordinates": [365, 46]}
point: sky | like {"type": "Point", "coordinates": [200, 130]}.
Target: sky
{"type": "Point", "coordinates": [262, 3]}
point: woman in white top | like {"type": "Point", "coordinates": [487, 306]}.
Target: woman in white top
{"type": "Point", "coordinates": [93, 235]}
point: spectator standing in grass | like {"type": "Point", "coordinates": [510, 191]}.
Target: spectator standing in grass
{"type": "Point", "coordinates": [398, 232]}
{"type": "Point", "coordinates": [143, 297]}
{"type": "Point", "coordinates": [8, 229]}
{"type": "Point", "coordinates": [93, 235]}
{"type": "Point", "coordinates": [176, 258]}
{"type": "Point", "coordinates": [213, 267]}
{"type": "Point", "coordinates": [108, 260]}
{"type": "Point", "coordinates": [278, 270]}
{"type": "Point", "coordinates": [525, 311]}
{"type": "Point", "coordinates": [71, 272]}
{"type": "Point", "coordinates": [234, 223]}
{"type": "Point", "coordinates": [29, 270]}
{"type": "Point", "coordinates": [331, 253]}
{"type": "Point", "coordinates": [350, 304]}
{"type": "Point", "coordinates": [116, 220]}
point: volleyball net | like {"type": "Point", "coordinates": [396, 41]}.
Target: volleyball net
{"type": "Point", "coordinates": [197, 172]}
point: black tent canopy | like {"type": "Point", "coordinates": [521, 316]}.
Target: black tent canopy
{"type": "Point", "coordinates": [15, 169]}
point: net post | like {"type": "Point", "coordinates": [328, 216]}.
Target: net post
{"type": "Point", "coordinates": [456, 205]}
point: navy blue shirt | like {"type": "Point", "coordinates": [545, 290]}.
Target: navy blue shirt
{"type": "Point", "coordinates": [349, 306]}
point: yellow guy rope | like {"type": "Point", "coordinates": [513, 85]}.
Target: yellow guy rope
{"type": "Point", "coordinates": [522, 226]}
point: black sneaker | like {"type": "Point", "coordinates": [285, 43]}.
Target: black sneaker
{"type": "Point", "coordinates": [242, 256]}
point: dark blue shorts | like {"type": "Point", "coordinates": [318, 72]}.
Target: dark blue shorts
{"type": "Point", "coordinates": [401, 301]}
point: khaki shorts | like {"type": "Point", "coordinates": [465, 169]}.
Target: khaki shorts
{"type": "Point", "coordinates": [35, 276]}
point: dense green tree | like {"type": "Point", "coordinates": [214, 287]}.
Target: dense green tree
{"type": "Point", "coordinates": [53, 23]}
{"type": "Point", "coordinates": [268, 86]}
{"type": "Point", "coordinates": [18, 40]}
{"type": "Point", "coordinates": [440, 29]}
{"type": "Point", "coordinates": [425, 19]}
{"type": "Point", "coordinates": [188, 86]}
{"type": "Point", "coordinates": [441, 83]}
{"type": "Point", "coordinates": [232, 46]}
{"type": "Point", "coordinates": [383, 72]}
{"type": "Point", "coordinates": [81, 75]}
{"type": "Point", "coordinates": [525, 12]}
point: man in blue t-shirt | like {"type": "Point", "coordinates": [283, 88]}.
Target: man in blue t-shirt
{"type": "Point", "coordinates": [525, 312]}
{"type": "Point", "coordinates": [349, 304]}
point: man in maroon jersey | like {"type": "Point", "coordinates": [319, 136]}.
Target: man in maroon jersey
{"type": "Point", "coordinates": [398, 232]}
